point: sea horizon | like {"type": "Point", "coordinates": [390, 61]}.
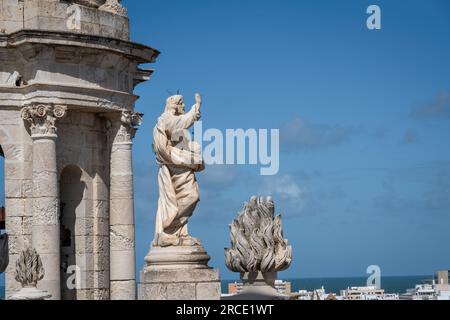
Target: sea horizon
{"type": "Point", "coordinates": [391, 284]}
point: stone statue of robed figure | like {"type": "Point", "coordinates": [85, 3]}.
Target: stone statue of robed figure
{"type": "Point", "coordinates": [176, 267]}
{"type": "Point", "coordinates": [179, 158]}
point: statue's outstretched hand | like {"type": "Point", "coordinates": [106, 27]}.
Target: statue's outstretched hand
{"type": "Point", "coordinates": [198, 100]}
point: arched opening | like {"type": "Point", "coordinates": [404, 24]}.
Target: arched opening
{"type": "Point", "coordinates": [2, 213]}
{"type": "Point", "coordinates": [73, 202]}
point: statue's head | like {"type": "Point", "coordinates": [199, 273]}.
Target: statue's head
{"type": "Point", "coordinates": [175, 105]}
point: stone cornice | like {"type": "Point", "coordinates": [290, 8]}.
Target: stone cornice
{"type": "Point", "coordinates": [137, 52]}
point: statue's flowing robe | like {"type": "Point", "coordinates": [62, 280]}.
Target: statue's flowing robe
{"type": "Point", "coordinates": [178, 188]}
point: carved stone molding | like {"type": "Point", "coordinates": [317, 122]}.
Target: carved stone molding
{"type": "Point", "coordinates": [114, 6]}
{"type": "Point", "coordinates": [42, 118]}
{"type": "Point", "coordinates": [89, 3]}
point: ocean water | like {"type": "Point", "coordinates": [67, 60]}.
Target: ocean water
{"type": "Point", "coordinates": [335, 285]}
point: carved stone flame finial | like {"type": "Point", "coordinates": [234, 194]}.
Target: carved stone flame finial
{"type": "Point", "coordinates": [257, 243]}
{"type": "Point", "coordinates": [29, 268]}
{"type": "Point", "coordinates": [29, 271]}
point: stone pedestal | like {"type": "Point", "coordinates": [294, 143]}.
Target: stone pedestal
{"type": "Point", "coordinates": [179, 273]}
{"type": "Point", "coordinates": [259, 286]}
{"type": "Point", "coordinates": [30, 294]}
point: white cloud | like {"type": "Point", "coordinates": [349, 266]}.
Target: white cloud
{"type": "Point", "coordinates": [219, 177]}
{"type": "Point", "coordinates": [299, 134]}
{"type": "Point", "coordinates": [438, 108]}
{"type": "Point", "coordinates": [284, 187]}
{"type": "Point", "coordinates": [410, 137]}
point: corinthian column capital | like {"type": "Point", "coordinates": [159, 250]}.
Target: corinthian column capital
{"type": "Point", "coordinates": [129, 123]}
{"type": "Point", "coordinates": [42, 118]}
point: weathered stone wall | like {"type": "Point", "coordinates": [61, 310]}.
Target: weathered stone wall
{"type": "Point", "coordinates": [54, 15]}
{"type": "Point", "coordinates": [11, 15]}
{"type": "Point", "coordinates": [17, 147]}
{"type": "Point", "coordinates": [82, 150]}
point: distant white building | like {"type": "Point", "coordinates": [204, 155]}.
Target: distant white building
{"type": "Point", "coordinates": [351, 293]}
{"type": "Point", "coordinates": [420, 292]}
{"type": "Point", "coordinates": [318, 294]}
{"type": "Point", "coordinates": [282, 287]}
{"type": "Point", "coordinates": [436, 289]}
{"type": "Point", "coordinates": [364, 293]}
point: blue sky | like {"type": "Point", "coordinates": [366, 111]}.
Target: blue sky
{"type": "Point", "coordinates": [364, 119]}
{"type": "Point", "coordinates": [365, 166]}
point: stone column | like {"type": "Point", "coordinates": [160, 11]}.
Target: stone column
{"type": "Point", "coordinates": [122, 237]}
{"type": "Point", "coordinates": [45, 225]}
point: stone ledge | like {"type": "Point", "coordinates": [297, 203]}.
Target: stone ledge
{"type": "Point", "coordinates": [84, 98]}
{"type": "Point", "coordinates": [142, 53]}
{"type": "Point", "coordinates": [182, 276]}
